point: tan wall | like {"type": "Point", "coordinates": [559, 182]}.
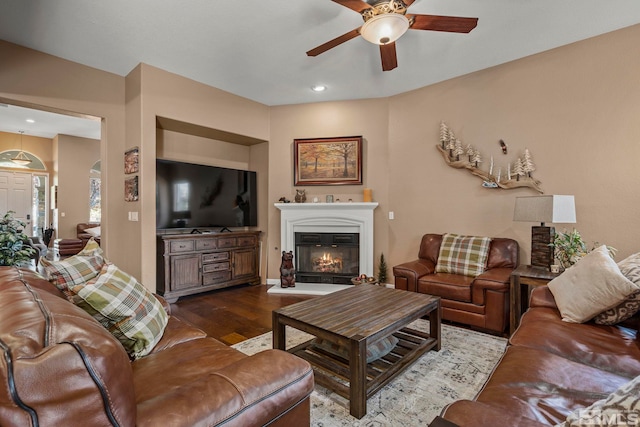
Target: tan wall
{"type": "Point", "coordinates": [36, 80]}
{"type": "Point", "coordinates": [368, 118]}
{"type": "Point", "coordinates": [76, 157]}
{"type": "Point", "coordinates": [576, 108]}
{"type": "Point", "coordinates": [199, 150]}
{"type": "Point", "coordinates": [258, 161]}
{"type": "Point", "coordinates": [157, 93]}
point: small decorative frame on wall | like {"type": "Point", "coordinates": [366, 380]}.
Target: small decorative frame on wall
{"type": "Point", "coordinates": [328, 161]}
{"type": "Point", "coordinates": [131, 189]}
{"type": "Point", "coordinates": [131, 161]}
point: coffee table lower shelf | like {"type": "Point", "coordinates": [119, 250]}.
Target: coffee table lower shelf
{"type": "Point", "coordinates": [332, 371]}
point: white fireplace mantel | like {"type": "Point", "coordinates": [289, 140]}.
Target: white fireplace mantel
{"type": "Point", "coordinates": [350, 217]}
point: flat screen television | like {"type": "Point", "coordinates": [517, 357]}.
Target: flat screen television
{"type": "Point", "coordinates": [199, 196]}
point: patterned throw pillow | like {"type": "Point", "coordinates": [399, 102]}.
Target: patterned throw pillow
{"type": "Point", "coordinates": [375, 351]}
{"type": "Point", "coordinates": [620, 408]}
{"type": "Point", "coordinates": [75, 270]}
{"type": "Point", "coordinates": [466, 255]}
{"type": "Point", "coordinates": [630, 268]}
{"type": "Point", "coordinates": [126, 308]}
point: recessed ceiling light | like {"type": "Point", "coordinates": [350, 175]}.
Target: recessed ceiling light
{"type": "Point", "coordinates": [30, 121]}
{"type": "Point", "coordinates": [318, 88]}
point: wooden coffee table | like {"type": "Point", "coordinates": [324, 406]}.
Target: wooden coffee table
{"type": "Point", "coordinates": [354, 318]}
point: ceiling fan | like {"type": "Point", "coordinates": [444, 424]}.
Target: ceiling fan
{"type": "Point", "coordinates": [386, 20]}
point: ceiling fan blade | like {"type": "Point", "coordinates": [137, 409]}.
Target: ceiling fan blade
{"type": "Point", "coordinates": [357, 5]}
{"type": "Point", "coordinates": [452, 24]}
{"type": "Point", "coordinates": [388, 56]}
{"type": "Point", "coordinates": [333, 43]}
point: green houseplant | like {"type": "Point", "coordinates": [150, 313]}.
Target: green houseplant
{"type": "Point", "coordinates": [14, 249]}
{"type": "Point", "coordinates": [382, 270]}
{"type": "Point", "coordinates": [569, 248]}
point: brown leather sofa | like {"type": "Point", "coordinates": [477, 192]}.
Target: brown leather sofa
{"type": "Point", "coordinates": [60, 367]}
{"type": "Point", "coordinates": [482, 301]}
{"type": "Point", "coordinates": [550, 369]}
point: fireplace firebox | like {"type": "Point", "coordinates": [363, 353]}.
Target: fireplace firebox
{"type": "Point", "coordinates": [327, 257]}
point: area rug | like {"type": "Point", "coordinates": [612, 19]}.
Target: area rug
{"type": "Point", "coordinates": [417, 395]}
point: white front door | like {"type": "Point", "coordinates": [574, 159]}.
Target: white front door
{"type": "Point", "coordinates": [16, 195]}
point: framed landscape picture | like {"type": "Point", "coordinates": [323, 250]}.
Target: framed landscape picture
{"type": "Point", "coordinates": [328, 161]}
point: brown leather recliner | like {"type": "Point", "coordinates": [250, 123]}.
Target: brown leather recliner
{"type": "Point", "coordinates": [60, 367]}
{"type": "Point", "coordinates": [83, 235]}
{"type": "Point", "coordinates": [481, 301]}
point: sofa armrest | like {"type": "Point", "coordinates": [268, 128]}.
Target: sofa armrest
{"type": "Point", "coordinates": [495, 280]}
{"type": "Point", "coordinates": [407, 274]}
{"type": "Point", "coordinates": [541, 296]}
{"type": "Point", "coordinates": [165, 304]}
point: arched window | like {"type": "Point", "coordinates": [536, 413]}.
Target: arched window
{"type": "Point", "coordinates": [6, 156]}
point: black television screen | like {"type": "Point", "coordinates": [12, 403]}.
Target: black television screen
{"type": "Point", "coordinates": [199, 196]}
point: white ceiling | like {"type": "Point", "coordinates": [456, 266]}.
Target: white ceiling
{"type": "Point", "coordinates": [256, 48]}
{"type": "Point", "coordinates": [44, 124]}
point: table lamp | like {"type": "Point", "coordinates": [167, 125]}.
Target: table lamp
{"type": "Point", "coordinates": [554, 209]}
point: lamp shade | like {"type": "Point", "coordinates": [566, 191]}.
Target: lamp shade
{"type": "Point", "coordinates": [555, 209]}
{"type": "Point", "coordinates": [384, 29]}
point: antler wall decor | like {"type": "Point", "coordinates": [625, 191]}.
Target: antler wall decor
{"type": "Point", "coordinates": [459, 157]}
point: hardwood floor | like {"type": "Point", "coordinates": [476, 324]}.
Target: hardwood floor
{"type": "Point", "coordinates": [233, 314]}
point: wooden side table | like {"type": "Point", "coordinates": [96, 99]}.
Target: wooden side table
{"type": "Point", "coordinates": [531, 277]}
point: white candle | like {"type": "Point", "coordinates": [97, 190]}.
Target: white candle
{"type": "Point", "coordinates": [491, 167]}
{"type": "Point", "coordinates": [509, 171]}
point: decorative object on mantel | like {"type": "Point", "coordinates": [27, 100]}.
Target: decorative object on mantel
{"type": "Point", "coordinates": [284, 200]}
{"type": "Point", "coordinates": [301, 196]}
{"type": "Point", "coordinates": [287, 271]}
{"type": "Point", "coordinates": [554, 209]}
{"type": "Point", "coordinates": [366, 195]}
{"type": "Point", "coordinates": [328, 161]}
{"type": "Point", "coordinates": [453, 154]}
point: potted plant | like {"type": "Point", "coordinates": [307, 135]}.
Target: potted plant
{"type": "Point", "coordinates": [382, 271]}
{"type": "Point", "coordinates": [569, 248]}
{"type": "Point", "coordinates": [14, 247]}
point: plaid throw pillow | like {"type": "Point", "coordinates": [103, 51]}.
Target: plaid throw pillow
{"type": "Point", "coordinates": [125, 308]}
{"type": "Point", "coordinates": [466, 255]}
{"type": "Point", "coordinates": [75, 270]}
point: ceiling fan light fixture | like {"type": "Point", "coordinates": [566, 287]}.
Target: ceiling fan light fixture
{"type": "Point", "coordinates": [384, 29]}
